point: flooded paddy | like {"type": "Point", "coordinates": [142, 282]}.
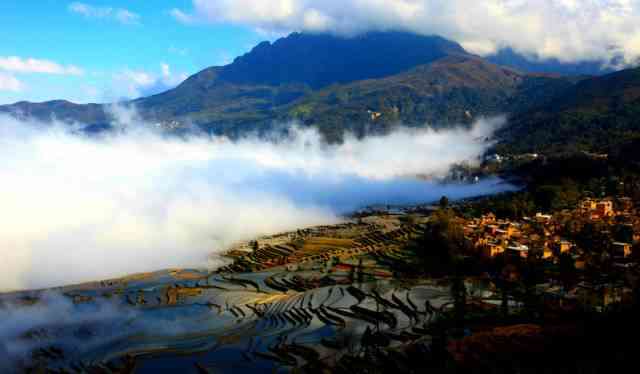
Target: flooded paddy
{"type": "Point", "coordinates": [284, 301]}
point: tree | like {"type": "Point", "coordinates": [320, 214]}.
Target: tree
{"type": "Point", "coordinates": [531, 273]}
{"type": "Point", "coordinates": [444, 202]}
{"type": "Point", "coordinates": [592, 238]}
{"type": "Point", "coordinates": [442, 239]}
{"type": "Point", "coordinates": [459, 294]}
{"type": "Point", "coordinates": [503, 285]}
{"type": "Point", "coordinates": [623, 233]}
{"type": "Point", "coordinates": [497, 269]}
{"type": "Point", "coordinates": [567, 270]}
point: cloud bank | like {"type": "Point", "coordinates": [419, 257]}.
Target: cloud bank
{"type": "Point", "coordinates": [32, 65]}
{"type": "Point", "coordinates": [76, 208]}
{"type": "Point", "coordinates": [131, 84]}
{"type": "Point", "coordinates": [568, 30]}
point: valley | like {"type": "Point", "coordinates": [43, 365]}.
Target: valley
{"type": "Point", "coordinates": [225, 209]}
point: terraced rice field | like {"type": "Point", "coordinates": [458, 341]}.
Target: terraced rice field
{"type": "Point", "coordinates": [323, 243]}
{"type": "Point", "coordinates": [293, 301]}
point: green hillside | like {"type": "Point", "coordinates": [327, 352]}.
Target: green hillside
{"type": "Point", "coordinates": [597, 115]}
{"type": "Point", "coordinates": [452, 90]}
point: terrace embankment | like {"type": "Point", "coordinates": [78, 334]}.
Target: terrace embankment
{"type": "Point", "coordinates": [308, 247]}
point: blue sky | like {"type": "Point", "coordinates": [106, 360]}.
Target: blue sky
{"type": "Point", "coordinates": [105, 50]}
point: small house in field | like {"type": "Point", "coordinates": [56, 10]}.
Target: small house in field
{"type": "Point", "coordinates": [543, 218]}
{"type": "Point", "coordinates": [561, 247]}
{"type": "Point", "coordinates": [621, 249]}
{"type": "Point", "coordinates": [491, 229]}
{"type": "Point", "coordinates": [488, 219]}
{"type": "Point", "coordinates": [624, 204]}
{"type": "Point", "coordinates": [599, 296]}
{"type": "Point", "coordinates": [518, 250]}
{"type": "Point", "coordinates": [604, 208]}
{"type": "Point", "coordinates": [492, 249]}
{"type": "Point", "coordinates": [587, 205]}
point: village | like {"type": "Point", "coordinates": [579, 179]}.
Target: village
{"type": "Point", "coordinates": [593, 245]}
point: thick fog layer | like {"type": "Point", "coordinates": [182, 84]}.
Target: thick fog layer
{"type": "Point", "coordinates": [75, 208]}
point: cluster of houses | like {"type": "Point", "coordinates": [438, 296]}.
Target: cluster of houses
{"type": "Point", "coordinates": [496, 158]}
{"type": "Point", "coordinates": [521, 238]}
{"type": "Point", "coordinates": [546, 235]}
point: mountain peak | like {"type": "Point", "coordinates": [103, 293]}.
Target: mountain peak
{"type": "Point", "coordinates": [318, 60]}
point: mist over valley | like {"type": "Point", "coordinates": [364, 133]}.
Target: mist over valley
{"type": "Point", "coordinates": [319, 186]}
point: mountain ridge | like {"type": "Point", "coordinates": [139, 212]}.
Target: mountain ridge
{"type": "Point", "coordinates": [451, 91]}
{"type": "Point", "coordinates": [376, 80]}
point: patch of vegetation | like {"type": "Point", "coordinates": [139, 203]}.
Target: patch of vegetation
{"type": "Point", "coordinates": [598, 115]}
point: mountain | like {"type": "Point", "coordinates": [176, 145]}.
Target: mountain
{"type": "Point", "coordinates": [367, 82]}
{"type": "Point", "coordinates": [509, 57]}
{"type": "Point", "coordinates": [452, 90]}
{"type": "Point", "coordinates": [598, 114]}
{"type": "Point", "coordinates": [318, 60]}
{"type": "Point", "coordinates": [59, 109]}
{"type": "Point", "coordinates": [250, 92]}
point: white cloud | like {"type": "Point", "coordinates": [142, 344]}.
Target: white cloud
{"type": "Point", "coordinates": [136, 83]}
{"type": "Point", "coordinates": [127, 17]}
{"type": "Point", "coordinates": [166, 70]}
{"type": "Point", "coordinates": [182, 17]}
{"type": "Point", "coordinates": [32, 65]}
{"type": "Point", "coordinates": [120, 15]}
{"type": "Point", "coordinates": [568, 30]}
{"type": "Point", "coordinates": [139, 78]}
{"type": "Point", "coordinates": [10, 83]}
{"type": "Point", "coordinates": [77, 208]}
